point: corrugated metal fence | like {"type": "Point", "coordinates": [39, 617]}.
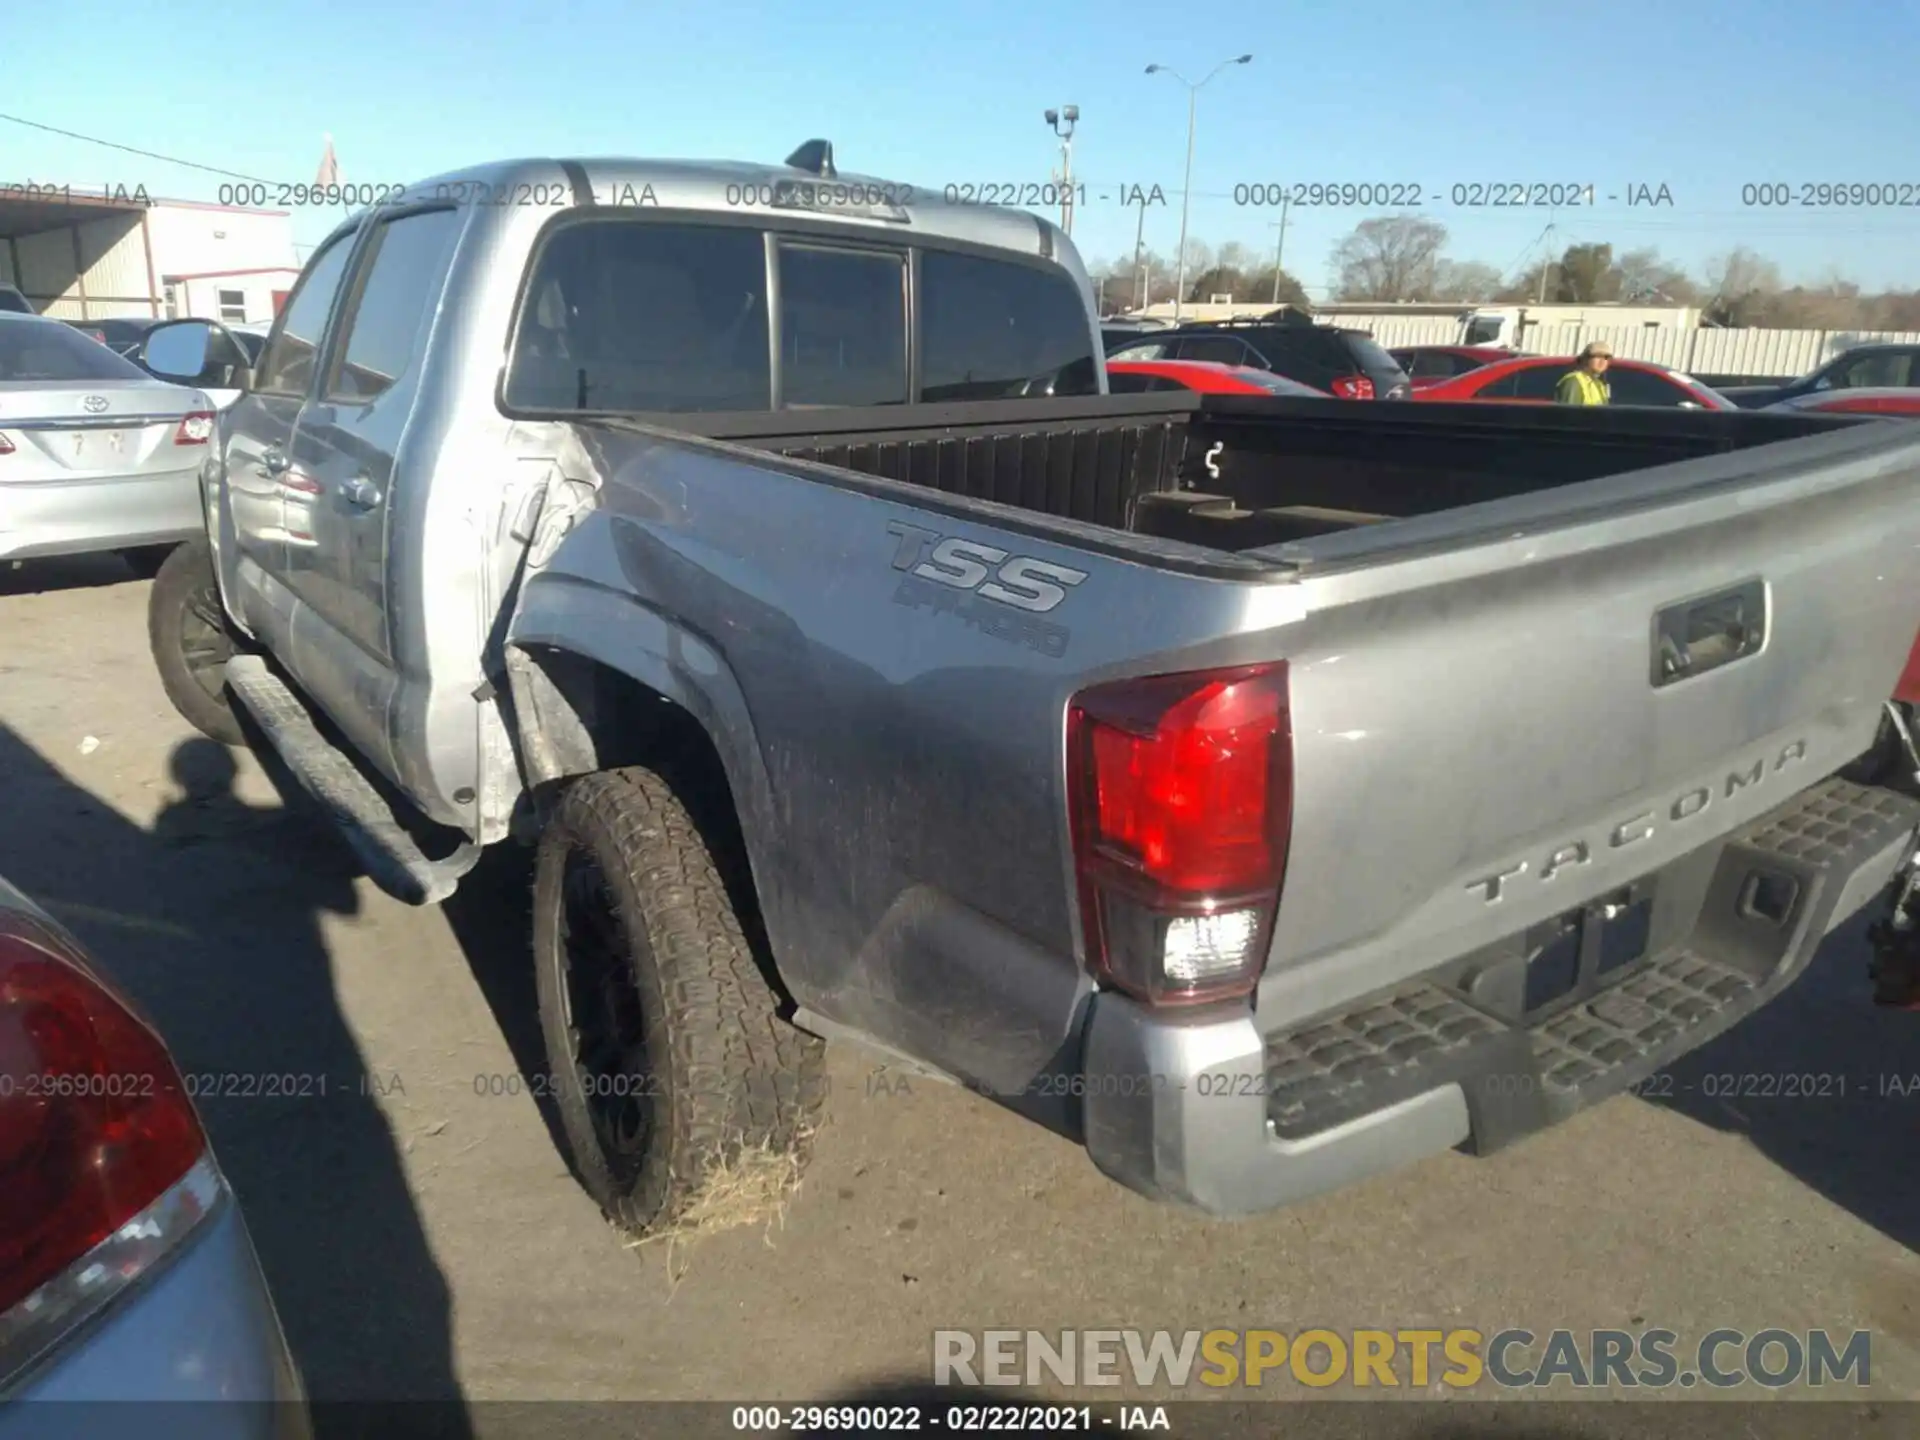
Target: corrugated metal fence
{"type": "Point", "coordinates": [1698, 352]}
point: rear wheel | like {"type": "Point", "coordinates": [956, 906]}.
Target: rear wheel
{"type": "Point", "coordinates": [685, 1099]}
{"type": "Point", "coordinates": [191, 641]}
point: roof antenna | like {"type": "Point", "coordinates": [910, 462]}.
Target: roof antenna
{"type": "Point", "coordinates": [816, 158]}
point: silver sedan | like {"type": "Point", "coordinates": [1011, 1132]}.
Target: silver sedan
{"type": "Point", "coordinates": [126, 1270]}
{"type": "Point", "coordinates": [95, 453]}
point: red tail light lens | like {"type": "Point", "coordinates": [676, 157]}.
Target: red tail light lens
{"type": "Point", "coordinates": [1353, 387]}
{"type": "Point", "coordinates": [1907, 689]}
{"type": "Point", "coordinates": [195, 428]}
{"type": "Point", "coordinates": [6, 446]}
{"type": "Point", "coordinates": [1181, 789]}
{"type": "Point", "coordinates": [95, 1124]}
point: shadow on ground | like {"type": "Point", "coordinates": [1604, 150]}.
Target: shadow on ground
{"type": "Point", "coordinates": [65, 572]}
{"type": "Point", "coordinates": [1824, 1083]}
{"type": "Point", "coordinates": [211, 921]}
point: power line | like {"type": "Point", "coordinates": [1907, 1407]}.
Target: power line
{"type": "Point", "coordinates": [132, 150]}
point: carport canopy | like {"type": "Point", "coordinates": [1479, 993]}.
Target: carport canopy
{"type": "Point", "coordinates": [29, 212]}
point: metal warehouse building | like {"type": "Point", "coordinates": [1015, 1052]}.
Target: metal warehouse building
{"type": "Point", "coordinates": [91, 257]}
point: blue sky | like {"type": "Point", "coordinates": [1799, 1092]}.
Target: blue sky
{"type": "Point", "coordinates": [1701, 96]}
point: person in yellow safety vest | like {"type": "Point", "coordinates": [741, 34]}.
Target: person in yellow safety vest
{"type": "Point", "coordinates": [1586, 383]}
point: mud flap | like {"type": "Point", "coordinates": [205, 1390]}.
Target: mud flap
{"type": "Point", "coordinates": [1895, 966]}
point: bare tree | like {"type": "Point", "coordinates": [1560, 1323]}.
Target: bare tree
{"type": "Point", "coordinates": [1466, 280]}
{"type": "Point", "coordinates": [1390, 257]}
{"type": "Point", "coordinates": [1646, 279]}
{"type": "Point", "coordinates": [1740, 283]}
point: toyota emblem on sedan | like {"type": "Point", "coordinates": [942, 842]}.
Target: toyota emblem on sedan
{"type": "Point", "coordinates": [94, 404]}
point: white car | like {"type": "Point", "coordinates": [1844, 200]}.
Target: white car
{"type": "Point", "coordinates": [95, 453]}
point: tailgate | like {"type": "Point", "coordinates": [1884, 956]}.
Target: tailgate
{"type": "Point", "coordinates": [1506, 711]}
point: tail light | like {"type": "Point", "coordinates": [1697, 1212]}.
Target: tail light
{"type": "Point", "coordinates": [6, 446]}
{"type": "Point", "coordinates": [1181, 788]}
{"type": "Point", "coordinates": [196, 427]}
{"type": "Point", "coordinates": [1353, 387]}
{"type": "Point", "coordinates": [1907, 690]}
{"type": "Point", "coordinates": [103, 1166]}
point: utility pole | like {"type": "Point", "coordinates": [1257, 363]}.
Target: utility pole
{"type": "Point", "coordinates": [1071, 115]}
{"type": "Point", "coordinates": [1186, 186]}
{"type": "Point", "coordinates": [1280, 246]}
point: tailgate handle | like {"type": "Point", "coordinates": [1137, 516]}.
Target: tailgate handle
{"type": "Point", "coordinates": [1691, 637]}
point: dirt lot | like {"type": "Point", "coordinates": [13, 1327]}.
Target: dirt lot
{"type": "Point", "coordinates": [424, 1239]}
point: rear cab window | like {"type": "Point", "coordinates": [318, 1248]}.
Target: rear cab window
{"type": "Point", "coordinates": [50, 350]}
{"type": "Point", "coordinates": [620, 315]}
{"type": "Point", "coordinates": [644, 316]}
{"type": "Point", "coordinates": [997, 329]}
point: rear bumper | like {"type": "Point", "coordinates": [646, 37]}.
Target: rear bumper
{"type": "Point", "coordinates": [74, 517]}
{"type": "Point", "coordinates": [1216, 1114]}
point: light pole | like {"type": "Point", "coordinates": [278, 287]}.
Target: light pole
{"type": "Point", "coordinates": [1280, 248]}
{"type": "Point", "coordinates": [1186, 188]}
{"type": "Point", "coordinates": [1070, 114]}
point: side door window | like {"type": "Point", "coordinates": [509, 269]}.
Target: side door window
{"type": "Point", "coordinates": [1154, 350]}
{"type": "Point", "coordinates": [1315, 360]}
{"type": "Point", "coordinates": [260, 432]}
{"type": "Point", "coordinates": [1643, 387]}
{"type": "Point", "coordinates": [346, 476]}
{"type": "Point", "coordinates": [843, 327]}
{"type": "Point", "coordinates": [1221, 349]}
{"type": "Point", "coordinates": [386, 314]}
{"type": "Point", "coordinates": [1870, 371]}
{"type": "Point", "coordinates": [1537, 383]}
{"type": "Point", "coordinates": [287, 366]}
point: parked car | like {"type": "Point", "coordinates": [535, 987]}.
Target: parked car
{"type": "Point", "coordinates": [1533, 379]}
{"type": "Point", "coordinates": [12, 302]}
{"type": "Point", "coordinates": [1864, 367]}
{"type": "Point", "coordinates": [1428, 365]}
{"type": "Point", "coordinates": [1888, 402]}
{"type": "Point", "coordinates": [1136, 377]}
{"type": "Point", "coordinates": [1114, 333]}
{"type": "Point", "coordinates": [1346, 363]}
{"type": "Point", "coordinates": [126, 1270]}
{"type": "Point", "coordinates": [118, 334]}
{"type": "Point", "coordinates": [95, 453]}
{"type": "Point", "coordinates": [843, 697]}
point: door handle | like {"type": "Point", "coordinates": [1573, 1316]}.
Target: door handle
{"type": "Point", "coordinates": [361, 493]}
{"type": "Point", "coordinates": [274, 460]}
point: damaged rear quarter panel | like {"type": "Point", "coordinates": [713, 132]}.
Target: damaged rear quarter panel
{"type": "Point", "coordinates": [892, 732]}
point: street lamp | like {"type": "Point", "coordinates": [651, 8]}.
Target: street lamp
{"type": "Point", "coordinates": [1186, 189]}
{"type": "Point", "coordinates": [1071, 114]}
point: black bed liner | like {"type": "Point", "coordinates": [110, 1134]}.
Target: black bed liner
{"type": "Point", "coordinates": [1238, 473]}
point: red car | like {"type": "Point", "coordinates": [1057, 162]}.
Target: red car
{"type": "Point", "coordinates": [1532, 380]}
{"type": "Point", "coordinates": [1209, 377]}
{"type": "Point", "coordinates": [1887, 401]}
{"type": "Point", "coordinates": [1429, 365]}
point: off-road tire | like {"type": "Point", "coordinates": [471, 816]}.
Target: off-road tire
{"type": "Point", "coordinates": [725, 1076]}
{"type": "Point", "coordinates": [183, 612]}
{"type": "Point", "coordinates": [146, 560]}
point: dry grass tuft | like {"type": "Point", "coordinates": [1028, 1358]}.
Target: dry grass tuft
{"type": "Point", "coordinates": [754, 1188]}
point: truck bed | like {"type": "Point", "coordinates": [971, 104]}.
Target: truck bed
{"type": "Point", "coordinates": [1281, 470]}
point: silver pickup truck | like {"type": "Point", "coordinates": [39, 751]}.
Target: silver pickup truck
{"type": "Point", "coordinates": [1260, 792]}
